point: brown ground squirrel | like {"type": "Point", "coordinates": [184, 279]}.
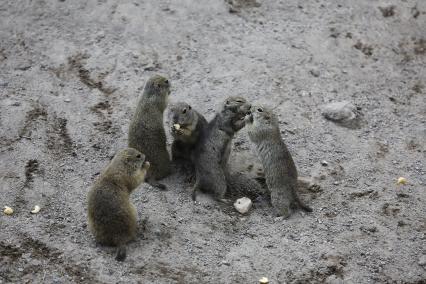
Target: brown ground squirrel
{"type": "Point", "coordinates": [211, 154]}
{"type": "Point", "coordinates": [188, 126]}
{"type": "Point", "coordinates": [146, 131]}
{"type": "Point", "coordinates": [280, 170]}
{"type": "Point", "coordinates": [111, 216]}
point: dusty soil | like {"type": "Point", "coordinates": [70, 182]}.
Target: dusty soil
{"type": "Point", "coordinates": [71, 73]}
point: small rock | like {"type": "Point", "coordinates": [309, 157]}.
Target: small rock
{"type": "Point", "coordinates": [227, 263]}
{"type": "Point", "coordinates": [263, 280]}
{"type": "Point", "coordinates": [314, 72]}
{"type": "Point", "coordinates": [340, 111]}
{"type": "Point", "coordinates": [387, 11]}
{"type": "Point", "coordinates": [243, 205]}
{"type": "Point", "coordinates": [67, 100]}
{"type": "Point", "coordinates": [422, 260]}
{"type": "Point", "coordinates": [333, 279]}
{"type": "Point", "coordinates": [324, 163]}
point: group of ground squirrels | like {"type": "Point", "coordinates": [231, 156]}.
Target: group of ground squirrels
{"type": "Point", "coordinates": [205, 145]}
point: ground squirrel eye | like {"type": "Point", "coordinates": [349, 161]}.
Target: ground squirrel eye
{"type": "Point", "coordinates": [240, 101]}
{"type": "Point", "coordinates": [260, 110]}
{"type": "Point", "coordinates": [189, 107]}
{"type": "Point", "coordinates": [227, 102]}
{"type": "Point", "coordinates": [167, 82]}
{"type": "Point", "coordinates": [184, 110]}
{"type": "Point", "coordinates": [138, 156]}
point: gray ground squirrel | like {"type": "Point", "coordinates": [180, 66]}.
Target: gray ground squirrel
{"type": "Point", "coordinates": [146, 131]}
{"type": "Point", "coordinates": [188, 126]}
{"type": "Point", "coordinates": [279, 167]}
{"type": "Point", "coordinates": [211, 154]}
{"type": "Point", "coordinates": [111, 216]}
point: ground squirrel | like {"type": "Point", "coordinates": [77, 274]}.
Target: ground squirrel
{"type": "Point", "coordinates": [211, 154]}
{"type": "Point", "coordinates": [146, 131]}
{"type": "Point", "coordinates": [187, 127]}
{"type": "Point", "coordinates": [279, 167]}
{"type": "Point", "coordinates": [111, 216]}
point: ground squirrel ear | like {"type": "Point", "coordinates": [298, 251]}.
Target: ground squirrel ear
{"type": "Point", "coordinates": [189, 107]}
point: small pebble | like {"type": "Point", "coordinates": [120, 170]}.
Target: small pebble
{"type": "Point", "coordinates": [422, 260]}
{"type": "Point", "coordinates": [67, 100]}
{"type": "Point", "coordinates": [324, 163]}
{"type": "Point", "coordinates": [263, 280]}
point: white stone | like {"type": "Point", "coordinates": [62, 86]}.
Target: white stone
{"type": "Point", "coordinates": [340, 111]}
{"type": "Point", "coordinates": [243, 205]}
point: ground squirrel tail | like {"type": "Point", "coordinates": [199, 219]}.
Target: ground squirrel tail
{"type": "Point", "coordinates": [121, 253]}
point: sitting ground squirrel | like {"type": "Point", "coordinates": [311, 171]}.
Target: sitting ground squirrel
{"type": "Point", "coordinates": [188, 126]}
{"type": "Point", "coordinates": [111, 216]}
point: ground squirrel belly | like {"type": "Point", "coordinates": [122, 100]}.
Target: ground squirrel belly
{"type": "Point", "coordinates": [280, 170]}
{"type": "Point", "coordinates": [111, 216]}
{"type": "Point", "coordinates": [146, 131]}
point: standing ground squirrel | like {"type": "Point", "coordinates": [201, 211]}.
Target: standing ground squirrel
{"type": "Point", "coordinates": [211, 154]}
{"type": "Point", "coordinates": [111, 216]}
{"type": "Point", "coordinates": [279, 167]}
{"type": "Point", "coordinates": [146, 131]}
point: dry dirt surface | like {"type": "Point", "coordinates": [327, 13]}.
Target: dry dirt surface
{"type": "Point", "coordinates": [71, 72]}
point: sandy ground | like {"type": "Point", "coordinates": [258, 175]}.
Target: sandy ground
{"type": "Point", "coordinates": [70, 75]}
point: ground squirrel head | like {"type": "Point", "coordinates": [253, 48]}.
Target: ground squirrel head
{"type": "Point", "coordinates": [128, 167]}
{"type": "Point", "coordinates": [157, 90]}
{"type": "Point", "coordinates": [182, 114]}
{"type": "Point", "coordinates": [261, 122]}
{"type": "Point", "coordinates": [184, 120]}
{"type": "Point", "coordinates": [237, 105]}
{"type": "Point", "coordinates": [234, 109]}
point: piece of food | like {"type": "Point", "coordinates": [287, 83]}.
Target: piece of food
{"type": "Point", "coordinates": [263, 280]}
{"type": "Point", "coordinates": [7, 210]}
{"type": "Point", "coordinates": [36, 209]}
{"type": "Point", "coordinates": [402, 180]}
{"type": "Point", "coordinates": [176, 126]}
{"type": "Point", "coordinates": [243, 205]}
